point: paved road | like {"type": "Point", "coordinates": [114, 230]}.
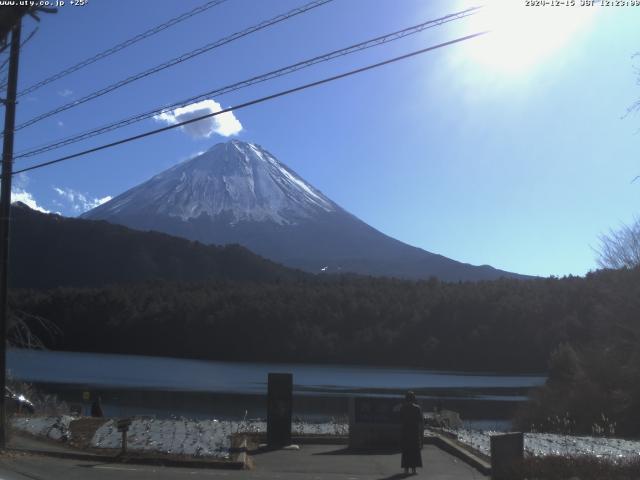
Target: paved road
{"type": "Point", "coordinates": [312, 462]}
{"type": "Point", "coordinates": [28, 443]}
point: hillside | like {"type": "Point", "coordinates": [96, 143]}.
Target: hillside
{"type": "Point", "coordinates": [49, 251]}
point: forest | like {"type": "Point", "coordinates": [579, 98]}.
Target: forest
{"type": "Point", "coordinates": [504, 325]}
{"type": "Point", "coordinates": [97, 287]}
{"type": "Point", "coordinates": [582, 331]}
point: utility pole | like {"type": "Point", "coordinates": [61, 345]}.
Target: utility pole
{"type": "Point", "coordinates": [5, 214]}
{"type": "Point", "coordinates": [10, 21]}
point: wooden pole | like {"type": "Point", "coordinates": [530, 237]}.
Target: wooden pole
{"type": "Point", "coordinates": [5, 215]}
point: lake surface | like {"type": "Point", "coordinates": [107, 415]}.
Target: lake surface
{"type": "Point", "coordinates": [161, 385]}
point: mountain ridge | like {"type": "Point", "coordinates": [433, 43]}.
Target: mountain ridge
{"type": "Point", "coordinates": [238, 192]}
{"type": "Point", "coordinates": [48, 251]}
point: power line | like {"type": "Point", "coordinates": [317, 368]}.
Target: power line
{"type": "Point", "coordinates": [247, 104]}
{"type": "Point", "coordinates": [121, 46]}
{"type": "Point", "coordinates": [177, 60]}
{"type": "Point", "coordinates": [252, 81]}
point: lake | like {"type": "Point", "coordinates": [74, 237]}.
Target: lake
{"type": "Point", "coordinates": [178, 387]}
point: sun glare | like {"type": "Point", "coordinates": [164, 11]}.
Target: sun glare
{"type": "Point", "coordinates": [522, 36]}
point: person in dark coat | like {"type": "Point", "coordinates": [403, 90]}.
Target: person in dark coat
{"type": "Point", "coordinates": [96, 408]}
{"type": "Point", "coordinates": [412, 433]}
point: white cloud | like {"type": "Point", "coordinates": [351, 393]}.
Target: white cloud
{"type": "Point", "coordinates": [79, 201]}
{"type": "Point", "coordinates": [225, 124]}
{"type": "Point", "coordinates": [20, 195]}
{"type": "Point", "coordinates": [65, 93]}
{"type": "Point", "coordinates": [20, 181]}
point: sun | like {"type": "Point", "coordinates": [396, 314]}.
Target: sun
{"type": "Point", "coordinates": [522, 36]}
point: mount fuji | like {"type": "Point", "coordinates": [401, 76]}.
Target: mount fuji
{"type": "Point", "coordinates": [238, 192]}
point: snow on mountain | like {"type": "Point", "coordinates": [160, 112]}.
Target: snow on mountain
{"type": "Point", "coordinates": [237, 178]}
{"type": "Point", "coordinates": [237, 192]}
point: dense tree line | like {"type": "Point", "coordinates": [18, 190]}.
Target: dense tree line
{"type": "Point", "coordinates": [504, 325]}
{"type": "Point", "coordinates": [173, 297]}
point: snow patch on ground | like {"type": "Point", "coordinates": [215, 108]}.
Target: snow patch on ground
{"type": "Point", "coordinates": [212, 438]}
{"type": "Point", "coordinates": [198, 438]}
{"type": "Point", "coordinates": [201, 438]}
{"type": "Point", "coordinates": [541, 444]}
{"type": "Point", "coordinates": [54, 428]}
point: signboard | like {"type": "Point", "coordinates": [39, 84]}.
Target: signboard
{"type": "Point", "coordinates": [123, 424]}
{"type": "Point", "coordinates": [279, 407]}
{"type": "Point", "coordinates": [374, 422]}
{"type": "Point", "coordinates": [86, 396]}
{"type": "Point", "coordinates": [507, 453]}
{"type": "Point", "coordinates": [377, 410]}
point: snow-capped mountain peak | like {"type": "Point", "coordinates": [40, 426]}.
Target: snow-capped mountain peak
{"type": "Point", "coordinates": [237, 192]}
{"type": "Point", "coordinates": [240, 180]}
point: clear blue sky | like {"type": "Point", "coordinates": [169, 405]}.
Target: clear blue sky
{"type": "Point", "coordinates": [509, 151]}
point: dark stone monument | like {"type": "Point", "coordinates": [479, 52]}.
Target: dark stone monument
{"type": "Point", "coordinates": [507, 453]}
{"type": "Point", "coordinates": [279, 407]}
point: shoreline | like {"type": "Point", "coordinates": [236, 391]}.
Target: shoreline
{"type": "Point", "coordinates": [315, 407]}
{"type": "Point", "coordinates": [212, 438]}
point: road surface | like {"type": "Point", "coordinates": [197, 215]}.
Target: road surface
{"type": "Point", "coordinates": [311, 462]}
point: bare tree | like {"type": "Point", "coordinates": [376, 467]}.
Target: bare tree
{"type": "Point", "coordinates": [20, 329]}
{"type": "Point", "coordinates": [620, 248]}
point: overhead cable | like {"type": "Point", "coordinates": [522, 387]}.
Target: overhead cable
{"type": "Point", "coordinates": [247, 104]}
{"type": "Point", "coordinates": [175, 61]}
{"type": "Point", "coordinates": [380, 40]}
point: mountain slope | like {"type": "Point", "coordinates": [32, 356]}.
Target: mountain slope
{"type": "Point", "coordinates": [49, 251]}
{"type": "Point", "coordinates": [238, 192]}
